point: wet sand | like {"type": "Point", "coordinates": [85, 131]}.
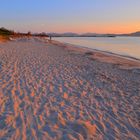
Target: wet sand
{"type": "Point", "coordinates": [56, 92]}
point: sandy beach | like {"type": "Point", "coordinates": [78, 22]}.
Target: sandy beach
{"type": "Point", "coordinates": [51, 91]}
{"type": "Point", "coordinates": [3, 39]}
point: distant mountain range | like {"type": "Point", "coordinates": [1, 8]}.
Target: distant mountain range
{"type": "Point", "coordinates": [69, 34]}
{"type": "Point", "coordinates": [4, 31]}
{"type": "Point", "coordinates": [80, 35]}
{"type": "Point", "coordinates": [132, 34]}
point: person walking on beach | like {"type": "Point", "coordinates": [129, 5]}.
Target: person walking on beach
{"type": "Point", "coordinates": [50, 38]}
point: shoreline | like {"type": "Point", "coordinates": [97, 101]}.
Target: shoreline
{"type": "Point", "coordinates": [105, 52]}
{"type": "Point", "coordinates": [126, 62]}
{"type": "Point", "coordinates": [104, 56]}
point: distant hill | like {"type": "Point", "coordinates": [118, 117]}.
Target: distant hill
{"type": "Point", "coordinates": [69, 34]}
{"type": "Point", "coordinates": [135, 34]}
{"type": "Point", "coordinates": [91, 34]}
{"type": "Point", "coordinates": [80, 35]}
{"type": "Point", "coordinates": [4, 31]}
{"type": "Point", "coordinates": [97, 35]}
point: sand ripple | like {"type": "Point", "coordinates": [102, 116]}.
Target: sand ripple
{"type": "Point", "coordinates": [48, 92]}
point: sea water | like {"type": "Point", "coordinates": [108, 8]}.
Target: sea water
{"type": "Point", "coordinates": [126, 46]}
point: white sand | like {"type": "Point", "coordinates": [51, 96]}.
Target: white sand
{"type": "Point", "coordinates": [50, 92]}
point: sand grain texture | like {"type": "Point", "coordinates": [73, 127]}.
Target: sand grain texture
{"type": "Point", "coordinates": [49, 92]}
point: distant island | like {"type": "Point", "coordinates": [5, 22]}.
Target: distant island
{"type": "Point", "coordinates": [7, 32]}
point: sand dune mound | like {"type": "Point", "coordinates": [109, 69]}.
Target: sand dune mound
{"type": "Point", "coordinates": [49, 92]}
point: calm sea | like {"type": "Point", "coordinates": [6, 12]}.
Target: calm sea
{"type": "Point", "coordinates": [127, 46]}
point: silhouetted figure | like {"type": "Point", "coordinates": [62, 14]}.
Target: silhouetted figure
{"type": "Point", "coordinates": [50, 38]}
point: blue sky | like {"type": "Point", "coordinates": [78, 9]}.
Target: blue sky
{"type": "Point", "coordinates": [110, 16]}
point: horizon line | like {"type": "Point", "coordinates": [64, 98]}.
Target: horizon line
{"type": "Point", "coordinates": [79, 33]}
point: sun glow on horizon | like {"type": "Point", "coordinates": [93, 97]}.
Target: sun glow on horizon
{"type": "Point", "coordinates": [71, 16]}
